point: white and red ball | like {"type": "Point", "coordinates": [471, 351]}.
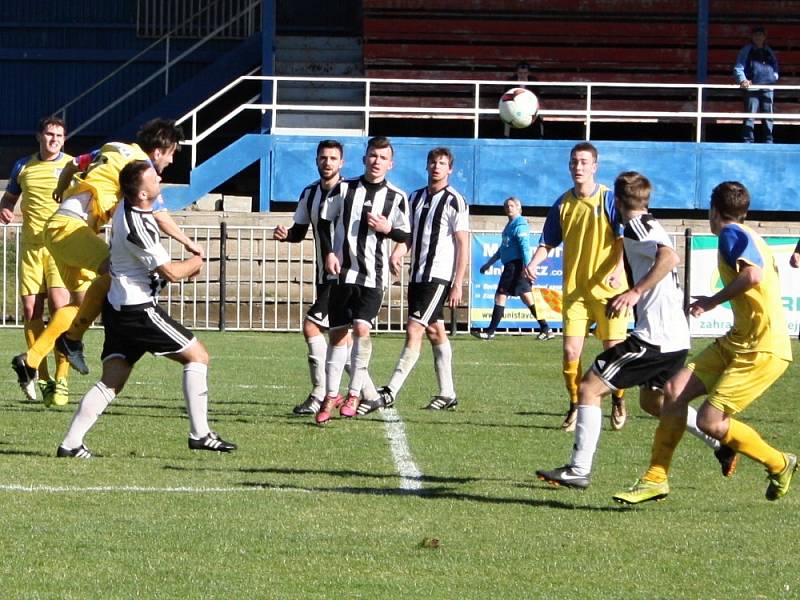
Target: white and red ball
{"type": "Point", "coordinates": [518, 107]}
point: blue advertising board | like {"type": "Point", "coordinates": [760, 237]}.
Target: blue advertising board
{"type": "Point", "coordinates": [546, 293]}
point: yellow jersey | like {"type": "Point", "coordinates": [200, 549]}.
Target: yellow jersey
{"type": "Point", "coordinates": [34, 180]}
{"type": "Point", "coordinates": [589, 228]}
{"type": "Point", "coordinates": [759, 323]}
{"type": "Point", "coordinates": [101, 180]}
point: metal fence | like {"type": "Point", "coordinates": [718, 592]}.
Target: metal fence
{"type": "Point", "coordinates": [248, 282]}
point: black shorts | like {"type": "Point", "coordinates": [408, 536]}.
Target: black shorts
{"type": "Point", "coordinates": [426, 301]}
{"type": "Point", "coordinates": [636, 363]}
{"type": "Point", "coordinates": [134, 330]}
{"type": "Point", "coordinates": [513, 281]}
{"type": "Point", "coordinates": [351, 302]}
{"type": "Point", "coordinates": [318, 312]}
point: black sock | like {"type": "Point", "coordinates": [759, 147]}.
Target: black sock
{"type": "Point", "coordinates": [543, 326]}
{"type": "Point", "coordinates": [497, 316]}
{"type": "Point", "coordinates": [532, 308]}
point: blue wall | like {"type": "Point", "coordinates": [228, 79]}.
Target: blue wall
{"type": "Point", "coordinates": [488, 171]}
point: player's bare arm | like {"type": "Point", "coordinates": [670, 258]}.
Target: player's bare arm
{"type": "Point", "coordinates": [7, 204]}
{"type": "Point", "coordinates": [617, 277]}
{"type": "Point", "coordinates": [794, 259]}
{"type": "Point", "coordinates": [379, 223]}
{"type": "Point", "coordinates": [666, 260]}
{"type": "Point", "coordinates": [456, 289]}
{"type": "Point", "coordinates": [64, 179]}
{"type": "Point", "coordinates": [748, 277]}
{"type": "Point", "coordinates": [539, 256]}
{"type": "Point", "coordinates": [396, 258]}
{"type": "Point", "coordinates": [168, 225]}
{"type": "Point", "coordinates": [280, 233]}
{"type": "Point", "coordinates": [174, 271]}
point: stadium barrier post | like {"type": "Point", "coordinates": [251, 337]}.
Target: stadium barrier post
{"type": "Point", "coordinates": [687, 271]}
{"type": "Point", "coordinates": [223, 251]}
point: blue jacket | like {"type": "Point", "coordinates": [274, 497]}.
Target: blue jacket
{"type": "Point", "coordinates": [515, 244]}
{"type": "Point", "coordinates": [759, 65]}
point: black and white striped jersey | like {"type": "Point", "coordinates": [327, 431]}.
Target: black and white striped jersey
{"type": "Point", "coordinates": [659, 312]}
{"type": "Point", "coordinates": [363, 253]}
{"type": "Point", "coordinates": [434, 221]}
{"type": "Point", "coordinates": [136, 252]}
{"type": "Point", "coordinates": [307, 213]}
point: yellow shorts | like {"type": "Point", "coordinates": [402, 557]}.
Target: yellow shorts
{"type": "Point", "coordinates": [37, 271]}
{"type": "Point", "coordinates": [581, 312]}
{"type": "Point", "coordinates": [735, 379]}
{"type": "Point", "coordinates": [78, 251]}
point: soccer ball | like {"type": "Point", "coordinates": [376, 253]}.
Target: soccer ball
{"type": "Point", "coordinates": [518, 107]}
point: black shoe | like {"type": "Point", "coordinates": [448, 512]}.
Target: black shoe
{"type": "Point", "coordinates": [211, 441]}
{"type": "Point", "coordinates": [26, 376]}
{"type": "Point", "coordinates": [565, 476]}
{"type": "Point", "coordinates": [727, 458]}
{"type": "Point", "coordinates": [385, 399]}
{"type": "Point", "coordinates": [442, 403]}
{"type": "Point", "coordinates": [310, 406]}
{"type": "Point", "coordinates": [73, 351]}
{"type": "Point", "coordinates": [80, 452]}
{"type": "Point", "coordinates": [483, 335]}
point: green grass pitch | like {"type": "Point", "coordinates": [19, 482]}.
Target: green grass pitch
{"type": "Point", "coordinates": [306, 512]}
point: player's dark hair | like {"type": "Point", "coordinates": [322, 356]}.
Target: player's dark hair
{"type": "Point", "coordinates": [45, 122]}
{"type": "Point", "coordinates": [633, 189]}
{"type": "Point", "coordinates": [159, 134]}
{"type": "Point", "coordinates": [335, 144]}
{"type": "Point", "coordinates": [583, 147]}
{"type": "Point", "coordinates": [130, 178]}
{"type": "Point", "coordinates": [731, 200]}
{"type": "Point", "coordinates": [379, 142]}
{"type": "Point", "coordinates": [440, 151]}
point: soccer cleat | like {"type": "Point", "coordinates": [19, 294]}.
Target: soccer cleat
{"type": "Point", "coordinates": [779, 482]}
{"type": "Point", "coordinates": [728, 459]}
{"type": "Point", "coordinates": [350, 407]}
{"type": "Point", "coordinates": [618, 413]}
{"type": "Point", "coordinates": [385, 399]}
{"type": "Point", "coordinates": [80, 452]}
{"type": "Point", "coordinates": [48, 389]}
{"type": "Point", "coordinates": [26, 376]}
{"type": "Point", "coordinates": [442, 403]}
{"type": "Point", "coordinates": [565, 476]}
{"type": "Point", "coordinates": [570, 419]}
{"type": "Point", "coordinates": [546, 334]}
{"type": "Point", "coordinates": [73, 350]}
{"type": "Point", "coordinates": [325, 412]}
{"type": "Point", "coordinates": [211, 441]}
{"type": "Point", "coordinates": [309, 406]}
{"type": "Point", "coordinates": [483, 335]}
{"type": "Point", "coordinates": [643, 491]}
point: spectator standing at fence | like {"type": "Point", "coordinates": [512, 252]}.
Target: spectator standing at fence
{"type": "Point", "coordinates": [756, 65]}
{"type": "Point", "coordinates": [133, 321]}
{"type": "Point", "coordinates": [367, 212]}
{"type": "Point", "coordinates": [92, 191]}
{"type": "Point", "coordinates": [585, 219]}
{"type": "Point", "coordinates": [514, 252]}
{"type": "Point", "coordinates": [439, 247]}
{"type": "Point", "coordinates": [329, 160]}
{"type": "Point", "coordinates": [535, 130]}
{"type": "Point", "coordinates": [33, 178]}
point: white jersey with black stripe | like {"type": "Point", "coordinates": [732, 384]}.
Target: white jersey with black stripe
{"type": "Point", "coordinates": [307, 213]}
{"type": "Point", "coordinates": [364, 254]}
{"type": "Point", "coordinates": [435, 218]}
{"type": "Point", "coordinates": [136, 253]}
{"type": "Point", "coordinates": [659, 313]}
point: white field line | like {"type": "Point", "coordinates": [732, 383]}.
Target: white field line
{"type": "Point", "coordinates": [410, 475]}
{"type": "Point", "coordinates": [135, 489]}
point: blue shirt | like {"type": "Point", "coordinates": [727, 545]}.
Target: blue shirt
{"type": "Point", "coordinates": [515, 244]}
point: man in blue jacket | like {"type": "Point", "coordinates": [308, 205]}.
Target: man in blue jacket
{"type": "Point", "coordinates": [514, 252]}
{"type": "Point", "coordinates": [757, 65]}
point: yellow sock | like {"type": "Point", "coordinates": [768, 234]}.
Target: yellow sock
{"type": "Point", "coordinates": [45, 343]}
{"type": "Point", "coordinates": [572, 377]}
{"type": "Point", "coordinates": [745, 440]}
{"type": "Point", "coordinates": [618, 394]}
{"type": "Point", "coordinates": [62, 366]}
{"type": "Point", "coordinates": [91, 307]}
{"type": "Point", "coordinates": [33, 329]}
{"type": "Point", "coordinates": [668, 433]}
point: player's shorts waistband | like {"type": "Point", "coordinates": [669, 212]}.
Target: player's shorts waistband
{"type": "Point", "coordinates": [133, 307]}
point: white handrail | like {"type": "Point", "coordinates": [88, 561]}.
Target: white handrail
{"type": "Point", "coordinates": [592, 91]}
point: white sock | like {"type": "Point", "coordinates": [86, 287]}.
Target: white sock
{"type": "Point", "coordinates": [588, 425]}
{"type": "Point", "coordinates": [334, 365]}
{"type": "Point", "coordinates": [195, 393]}
{"type": "Point", "coordinates": [317, 352]}
{"type": "Point", "coordinates": [443, 364]}
{"type": "Point", "coordinates": [405, 364]}
{"type": "Point", "coordinates": [92, 405]}
{"type": "Point", "coordinates": [691, 427]}
{"type": "Point", "coordinates": [359, 362]}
